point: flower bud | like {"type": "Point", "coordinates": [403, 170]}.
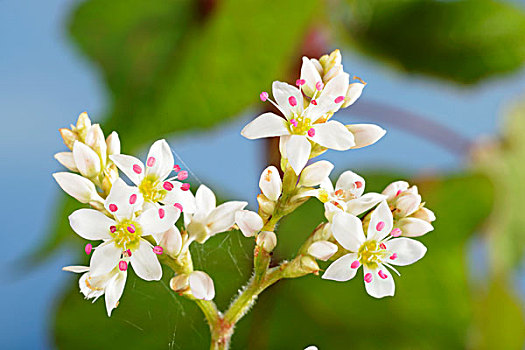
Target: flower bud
{"type": "Point", "coordinates": [365, 134]}
{"type": "Point", "coordinates": [69, 137]}
{"type": "Point", "coordinates": [270, 183]}
{"type": "Point", "coordinates": [179, 283]}
{"type": "Point", "coordinates": [266, 206]}
{"type": "Point", "coordinates": [395, 189]}
{"type": "Point", "coordinates": [424, 214]}
{"type": "Point", "coordinates": [113, 144]}
{"type": "Point", "coordinates": [249, 222]}
{"type": "Point", "coordinates": [77, 187]}
{"type": "Point", "coordinates": [413, 227]}
{"type": "Point", "coordinates": [67, 160]}
{"type": "Point", "coordinates": [353, 93]}
{"type": "Point", "coordinates": [309, 265]}
{"type": "Point", "coordinates": [171, 241]}
{"type": "Point", "coordinates": [87, 161]}
{"type": "Point", "coordinates": [201, 285]}
{"type": "Point", "coordinates": [322, 250]}
{"type": "Point", "coordinates": [267, 240]}
{"type": "Point", "coordinates": [315, 173]}
{"type": "Point", "coordinates": [95, 140]}
{"type": "Point", "coordinates": [407, 203]}
{"type": "Point", "coordinates": [83, 123]}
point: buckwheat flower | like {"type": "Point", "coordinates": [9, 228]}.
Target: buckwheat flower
{"type": "Point", "coordinates": [249, 222]}
{"type": "Point", "coordinates": [376, 251]}
{"type": "Point", "coordinates": [198, 283]}
{"type": "Point", "coordinates": [316, 173]}
{"type": "Point", "coordinates": [209, 219]}
{"type": "Point", "coordinates": [411, 217]}
{"type": "Point", "coordinates": [301, 125]}
{"type": "Point", "coordinates": [124, 230]}
{"type": "Point", "coordinates": [322, 250]}
{"type": "Point", "coordinates": [110, 284]}
{"type": "Point", "coordinates": [270, 183]}
{"type": "Point", "coordinates": [153, 179]}
{"type": "Point", "coordinates": [348, 195]}
{"type": "Point", "coordinates": [87, 160]}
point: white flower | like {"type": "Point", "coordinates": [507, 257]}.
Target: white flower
{"type": "Point", "coordinates": [270, 183]}
{"type": "Point", "coordinates": [152, 179]}
{"type": "Point", "coordinates": [208, 220]}
{"type": "Point", "coordinates": [377, 251]}
{"type": "Point", "coordinates": [110, 284]}
{"type": "Point", "coordinates": [346, 196]}
{"type": "Point", "coordinates": [78, 187]}
{"type": "Point", "coordinates": [304, 125]}
{"type": "Point", "coordinates": [412, 218]}
{"type": "Point", "coordinates": [124, 231]}
{"type": "Point", "coordinates": [249, 222]}
{"type": "Point", "coordinates": [311, 347]}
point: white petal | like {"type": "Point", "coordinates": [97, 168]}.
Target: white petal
{"type": "Point", "coordinates": [171, 241]}
{"type": "Point", "coordinates": [352, 182]}
{"type": "Point", "coordinates": [158, 220]}
{"type": "Point", "coordinates": [367, 201]}
{"type": "Point", "coordinates": [123, 200]}
{"type": "Point", "coordinates": [113, 143]}
{"type": "Point", "coordinates": [330, 210]}
{"type": "Point", "coordinates": [333, 135]}
{"type": "Point", "coordinates": [78, 187]}
{"type": "Point", "coordinates": [270, 183]}
{"type": "Point", "coordinates": [249, 222]}
{"type": "Point", "coordinates": [205, 200]}
{"type": "Point", "coordinates": [379, 287]}
{"type": "Point", "coordinates": [408, 251]}
{"type": "Point", "coordinates": [341, 270]}
{"type": "Point", "coordinates": [310, 75]}
{"type": "Point", "coordinates": [90, 224]}
{"type": "Point", "coordinates": [129, 165]}
{"type": "Point", "coordinates": [104, 259]}
{"type": "Point", "coordinates": [326, 185]}
{"type": "Point", "coordinates": [394, 188]}
{"type": "Point", "coordinates": [425, 214]}
{"type": "Point", "coordinates": [160, 160]}
{"type": "Point", "coordinates": [298, 151]}
{"type": "Point", "coordinates": [381, 222]}
{"type": "Point", "coordinates": [145, 262]}
{"type": "Point", "coordinates": [95, 140]}
{"type": "Point", "coordinates": [414, 227]}
{"type": "Point", "coordinates": [86, 160]}
{"type": "Point", "coordinates": [348, 231]}
{"type": "Point", "coordinates": [114, 291]}
{"type": "Point", "coordinates": [76, 269]}
{"type": "Point", "coordinates": [335, 87]}
{"type": "Point", "coordinates": [201, 285]}
{"type": "Point", "coordinates": [67, 160]}
{"type": "Point", "coordinates": [316, 173]}
{"type": "Point", "coordinates": [223, 217]}
{"type": "Point", "coordinates": [265, 125]}
{"type": "Point", "coordinates": [322, 250]}
{"type": "Point", "coordinates": [407, 203]}
{"type": "Point", "coordinates": [366, 134]}
{"type": "Point", "coordinates": [87, 288]}
{"type": "Point", "coordinates": [353, 92]}
{"type": "Point", "coordinates": [282, 93]}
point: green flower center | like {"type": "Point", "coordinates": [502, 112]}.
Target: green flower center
{"type": "Point", "coordinates": [126, 234]}
{"type": "Point", "coordinates": [151, 190]}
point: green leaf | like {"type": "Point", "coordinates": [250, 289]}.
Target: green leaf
{"type": "Point", "coordinates": [464, 41]}
{"type": "Point", "coordinates": [170, 70]}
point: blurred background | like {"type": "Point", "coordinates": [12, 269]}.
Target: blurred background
{"type": "Point", "coordinates": [445, 78]}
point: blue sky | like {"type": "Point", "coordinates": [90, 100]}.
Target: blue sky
{"type": "Point", "coordinates": [46, 83]}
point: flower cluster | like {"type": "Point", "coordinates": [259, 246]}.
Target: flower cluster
{"type": "Point", "coordinates": [136, 221]}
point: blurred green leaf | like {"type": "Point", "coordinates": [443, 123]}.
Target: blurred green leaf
{"type": "Point", "coordinates": [504, 162]}
{"type": "Point", "coordinates": [170, 69]}
{"type": "Point", "coordinates": [464, 41]}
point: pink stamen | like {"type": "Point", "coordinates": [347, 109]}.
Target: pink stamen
{"type": "Point", "coordinates": [382, 274]}
{"type": "Point", "coordinates": [183, 175]}
{"type": "Point", "coordinates": [368, 277]}
{"type": "Point", "coordinates": [380, 225]}
{"type": "Point", "coordinates": [263, 96]}
{"type": "Point", "coordinates": [382, 246]}
{"type": "Point", "coordinates": [122, 265]}
{"type": "Point", "coordinates": [128, 252]}
{"type": "Point", "coordinates": [339, 99]}
{"type": "Point", "coordinates": [396, 232]}
{"type": "Point", "coordinates": [151, 161]}
{"type": "Point", "coordinates": [358, 184]}
{"type": "Point", "coordinates": [393, 256]}
{"type": "Point", "coordinates": [88, 248]}
{"type": "Point", "coordinates": [131, 228]}
{"type": "Point", "coordinates": [398, 192]}
{"type": "Point", "coordinates": [355, 264]}
{"type": "Point", "coordinates": [176, 168]}
{"type": "Point", "coordinates": [294, 122]}
{"type": "Point", "coordinates": [113, 208]}
{"type": "Point", "coordinates": [292, 100]}
{"type": "Point", "coordinates": [300, 82]}
{"type": "Point", "coordinates": [178, 206]}
{"type": "Point", "coordinates": [113, 229]}
{"type": "Point", "coordinates": [168, 186]}
{"type": "Point", "coordinates": [132, 199]}
{"type": "Point", "coordinates": [311, 132]}
{"type": "Point", "coordinates": [137, 168]}
{"type": "Point", "coordinates": [319, 85]}
{"type": "Point", "coordinates": [185, 187]}
{"type": "Point", "coordinates": [314, 102]}
{"type": "Point", "coordinates": [162, 213]}
{"type": "Point", "coordinates": [158, 249]}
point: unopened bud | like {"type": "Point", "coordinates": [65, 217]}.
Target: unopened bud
{"type": "Point", "coordinates": [67, 160]}
{"type": "Point", "coordinates": [95, 140]}
{"type": "Point", "coordinates": [267, 240]}
{"type": "Point", "coordinates": [69, 137]}
{"type": "Point", "coordinates": [309, 264]}
{"type": "Point", "coordinates": [113, 144]}
{"type": "Point", "coordinates": [266, 206]}
{"type": "Point", "coordinates": [77, 187]}
{"type": "Point", "coordinates": [180, 283]}
{"type": "Point", "coordinates": [87, 160]}
{"type": "Point", "coordinates": [83, 123]}
{"type": "Point", "coordinates": [322, 250]}
{"type": "Point", "coordinates": [270, 183]}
